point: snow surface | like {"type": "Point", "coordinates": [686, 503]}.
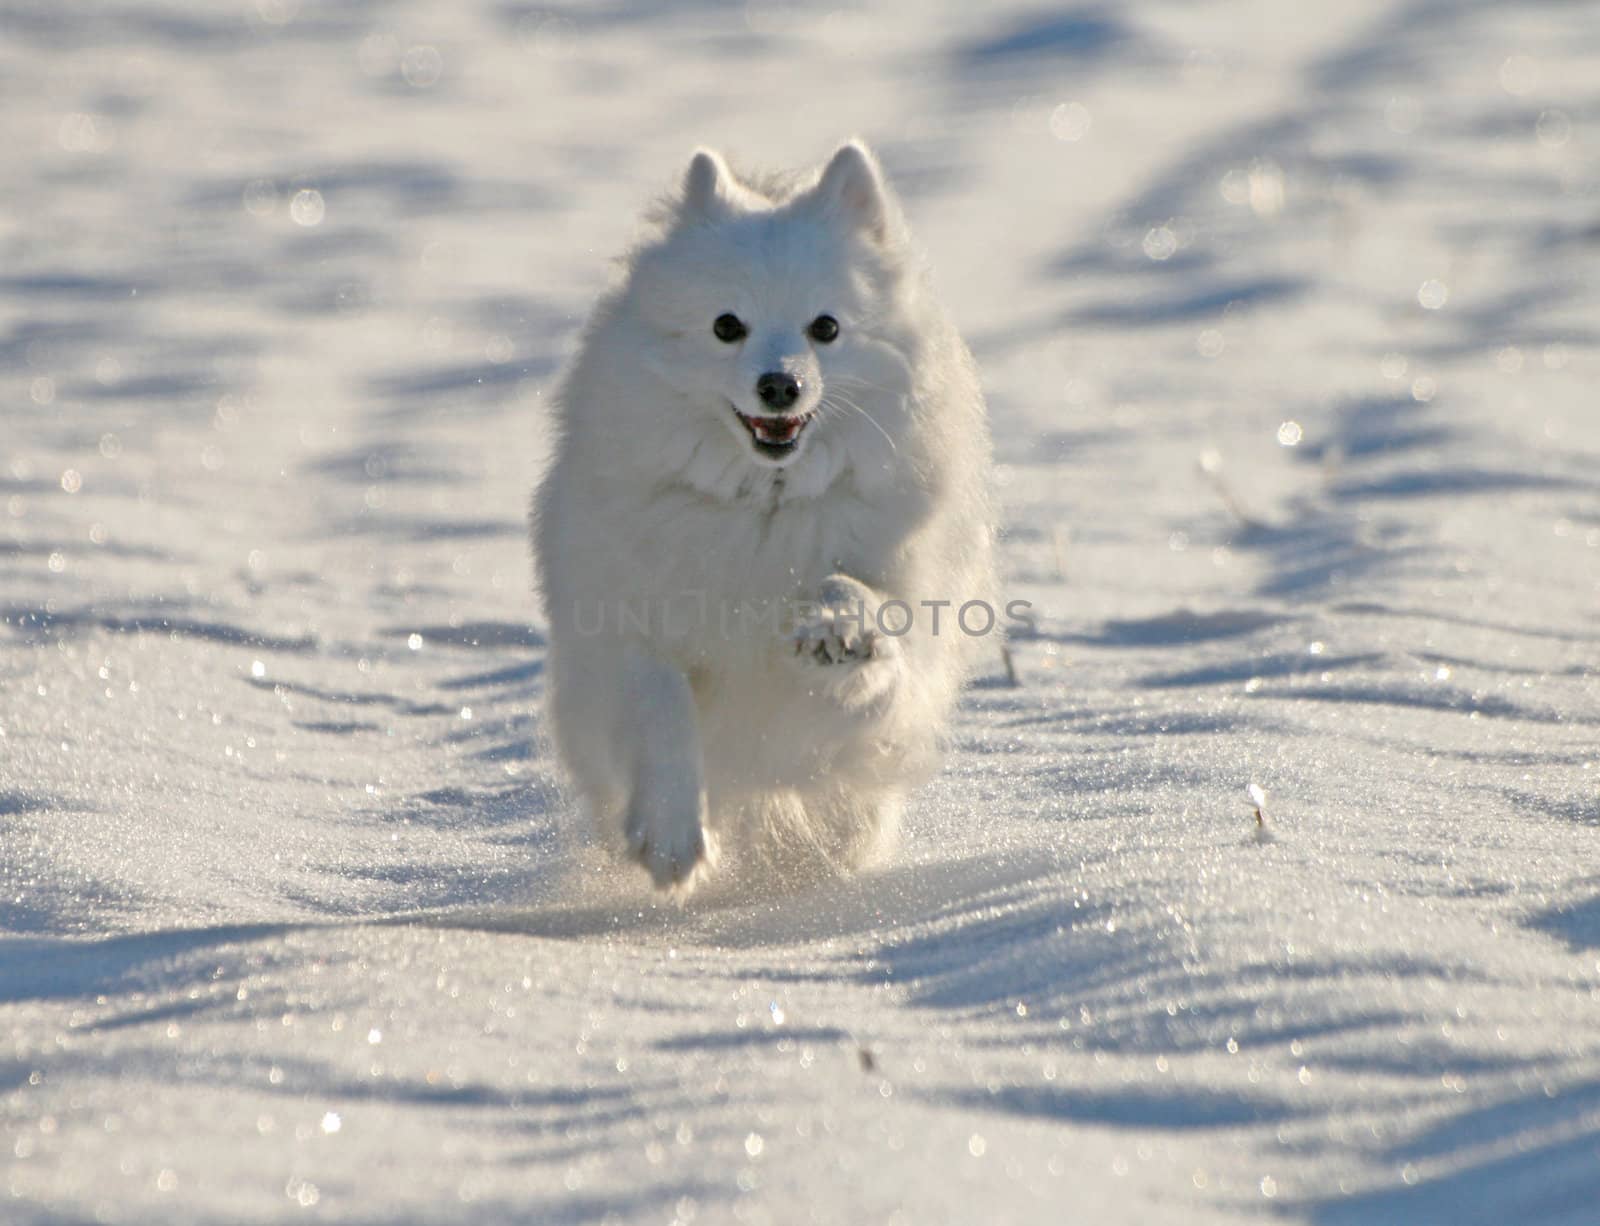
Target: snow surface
{"type": "Point", "coordinates": [1289, 317]}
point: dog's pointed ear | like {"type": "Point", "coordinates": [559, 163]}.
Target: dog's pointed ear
{"type": "Point", "coordinates": [709, 189]}
{"type": "Point", "coordinates": [852, 187]}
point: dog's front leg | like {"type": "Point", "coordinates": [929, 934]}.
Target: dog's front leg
{"type": "Point", "coordinates": [665, 819]}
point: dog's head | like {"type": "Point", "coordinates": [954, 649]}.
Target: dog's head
{"type": "Point", "coordinates": [778, 313]}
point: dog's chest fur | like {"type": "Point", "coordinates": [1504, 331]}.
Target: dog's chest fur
{"type": "Point", "coordinates": [751, 552]}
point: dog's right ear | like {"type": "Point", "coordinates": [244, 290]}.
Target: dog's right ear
{"type": "Point", "coordinates": [709, 189]}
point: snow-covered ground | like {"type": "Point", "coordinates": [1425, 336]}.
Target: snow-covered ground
{"type": "Point", "coordinates": [1289, 315]}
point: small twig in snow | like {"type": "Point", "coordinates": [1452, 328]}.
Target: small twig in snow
{"type": "Point", "coordinates": [1258, 803]}
{"type": "Point", "coordinates": [1211, 470]}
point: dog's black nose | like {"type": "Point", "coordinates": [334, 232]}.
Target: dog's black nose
{"type": "Point", "coordinates": [778, 389]}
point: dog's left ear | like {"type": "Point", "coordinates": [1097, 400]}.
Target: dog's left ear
{"type": "Point", "coordinates": [852, 186]}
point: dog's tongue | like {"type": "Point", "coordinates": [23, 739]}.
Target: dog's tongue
{"type": "Point", "coordinates": [776, 429]}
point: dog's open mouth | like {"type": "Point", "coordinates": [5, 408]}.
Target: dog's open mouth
{"type": "Point", "coordinates": [775, 437]}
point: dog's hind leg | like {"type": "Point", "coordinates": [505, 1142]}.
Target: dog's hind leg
{"type": "Point", "coordinates": [795, 841]}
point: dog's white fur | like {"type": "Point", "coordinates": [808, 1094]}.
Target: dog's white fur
{"type": "Point", "coordinates": [790, 746]}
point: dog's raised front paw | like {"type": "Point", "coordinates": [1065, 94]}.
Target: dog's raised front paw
{"type": "Point", "coordinates": [827, 637]}
{"type": "Point", "coordinates": [840, 626]}
{"type": "Point", "coordinates": [842, 645]}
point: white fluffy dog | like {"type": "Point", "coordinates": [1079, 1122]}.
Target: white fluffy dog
{"type": "Point", "coordinates": [768, 501]}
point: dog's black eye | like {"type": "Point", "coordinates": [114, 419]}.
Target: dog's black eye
{"type": "Point", "coordinates": [729, 328]}
{"type": "Point", "coordinates": [824, 328]}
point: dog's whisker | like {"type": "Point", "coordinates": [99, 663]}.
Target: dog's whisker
{"type": "Point", "coordinates": [840, 401]}
{"type": "Point", "coordinates": [858, 381]}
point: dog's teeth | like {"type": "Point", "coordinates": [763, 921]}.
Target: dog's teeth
{"type": "Point", "coordinates": [774, 432]}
